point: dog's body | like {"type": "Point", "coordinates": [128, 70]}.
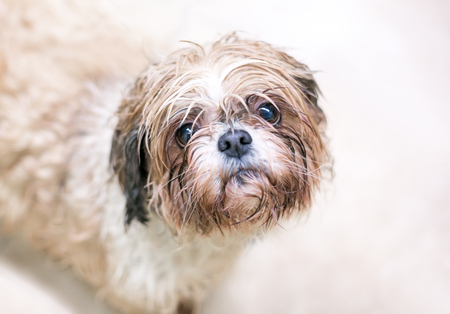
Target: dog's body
{"type": "Point", "coordinates": [86, 178]}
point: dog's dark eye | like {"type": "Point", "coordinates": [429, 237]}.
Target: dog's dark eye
{"type": "Point", "coordinates": [268, 112]}
{"type": "Point", "coordinates": [184, 134]}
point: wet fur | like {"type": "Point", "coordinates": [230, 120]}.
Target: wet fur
{"type": "Point", "coordinates": [181, 89]}
{"type": "Point", "coordinates": [90, 171]}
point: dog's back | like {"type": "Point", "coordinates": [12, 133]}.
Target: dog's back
{"type": "Point", "coordinates": [61, 66]}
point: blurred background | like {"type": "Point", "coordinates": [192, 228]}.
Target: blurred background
{"type": "Point", "coordinates": [378, 238]}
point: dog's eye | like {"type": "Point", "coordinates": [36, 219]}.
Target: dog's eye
{"type": "Point", "coordinates": [268, 112]}
{"type": "Point", "coordinates": [184, 134]}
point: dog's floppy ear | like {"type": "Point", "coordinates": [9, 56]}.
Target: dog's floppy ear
{"type": "Point", "coordinates": [308, 87]}
{"type": "Point", "coordinates": [311, 91]}
{"type": "Point", "coordinates": [129, 161]}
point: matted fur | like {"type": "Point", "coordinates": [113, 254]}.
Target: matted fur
{"type": "Point", "coordinates": [62, 108]}
{"type": "Point", "coordinates": [217, 89]}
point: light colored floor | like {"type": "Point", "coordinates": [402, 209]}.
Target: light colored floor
{"type": "Point", "coordinates": [378, 240]}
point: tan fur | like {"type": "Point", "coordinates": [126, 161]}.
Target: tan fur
{"type": "Point", "coordinates": [213, 88]}
{"type": "Point", "coordinates": [62, 78]}
{"type": "Point", "coordinates": [49, 56]}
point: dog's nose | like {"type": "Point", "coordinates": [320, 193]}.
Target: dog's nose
{"type": "Point", "coordinates": [235, 143]}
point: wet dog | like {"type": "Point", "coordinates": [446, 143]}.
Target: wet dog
{"type": "Point", "coordinates": [151, 191]}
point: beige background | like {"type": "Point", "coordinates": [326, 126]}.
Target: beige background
{"type": "Point", "coordinates": [378, 239]}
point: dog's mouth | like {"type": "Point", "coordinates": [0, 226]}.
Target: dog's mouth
{"type": "Point", "coordinates": [243, 176]}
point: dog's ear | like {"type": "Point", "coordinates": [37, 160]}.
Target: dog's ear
{"type": "Point", "coordinates": [309, 88]}
{"type": "Point", "coordinates": [129, 161]}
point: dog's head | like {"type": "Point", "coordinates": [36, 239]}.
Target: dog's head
{"type": "Point", "coordinates": [231, 137]}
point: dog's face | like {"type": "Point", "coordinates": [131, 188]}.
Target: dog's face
{"type": "Point", "coordinates": [220, 139]}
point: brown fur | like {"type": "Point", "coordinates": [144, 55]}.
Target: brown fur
{"type": "Point", "coordinates": [63, 68]}
{"type": "Point", "coordinates": [167, 95]}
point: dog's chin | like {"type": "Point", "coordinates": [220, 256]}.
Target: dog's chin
{"type": "Point", "coordinates": [243, 197]}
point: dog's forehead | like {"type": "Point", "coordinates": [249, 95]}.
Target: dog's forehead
{"type": "Point", "coordinates": [219, 92]}
{"type": "Point", "coordinates": [218, 82]}
{"type": "Point", "coordinates": [223, 80]}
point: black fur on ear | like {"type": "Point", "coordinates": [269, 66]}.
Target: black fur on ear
{"type": "Point", "coordinates": [311, 90]}
{"type": "Point", "coordinates": [129, 161]}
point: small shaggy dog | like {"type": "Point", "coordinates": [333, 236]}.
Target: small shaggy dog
{"type": "Point", "coordinates": [148, 192]}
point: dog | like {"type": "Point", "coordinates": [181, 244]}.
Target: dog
{"type": "Point", "coordinates": [149, 190]}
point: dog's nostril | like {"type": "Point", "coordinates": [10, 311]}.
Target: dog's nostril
{"type": "Point", "coordinates": [235, 143]}
{"type": "Point", "coordinates": [223, 144]}
{"type": "Point", "coordinates": [246, 140]}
